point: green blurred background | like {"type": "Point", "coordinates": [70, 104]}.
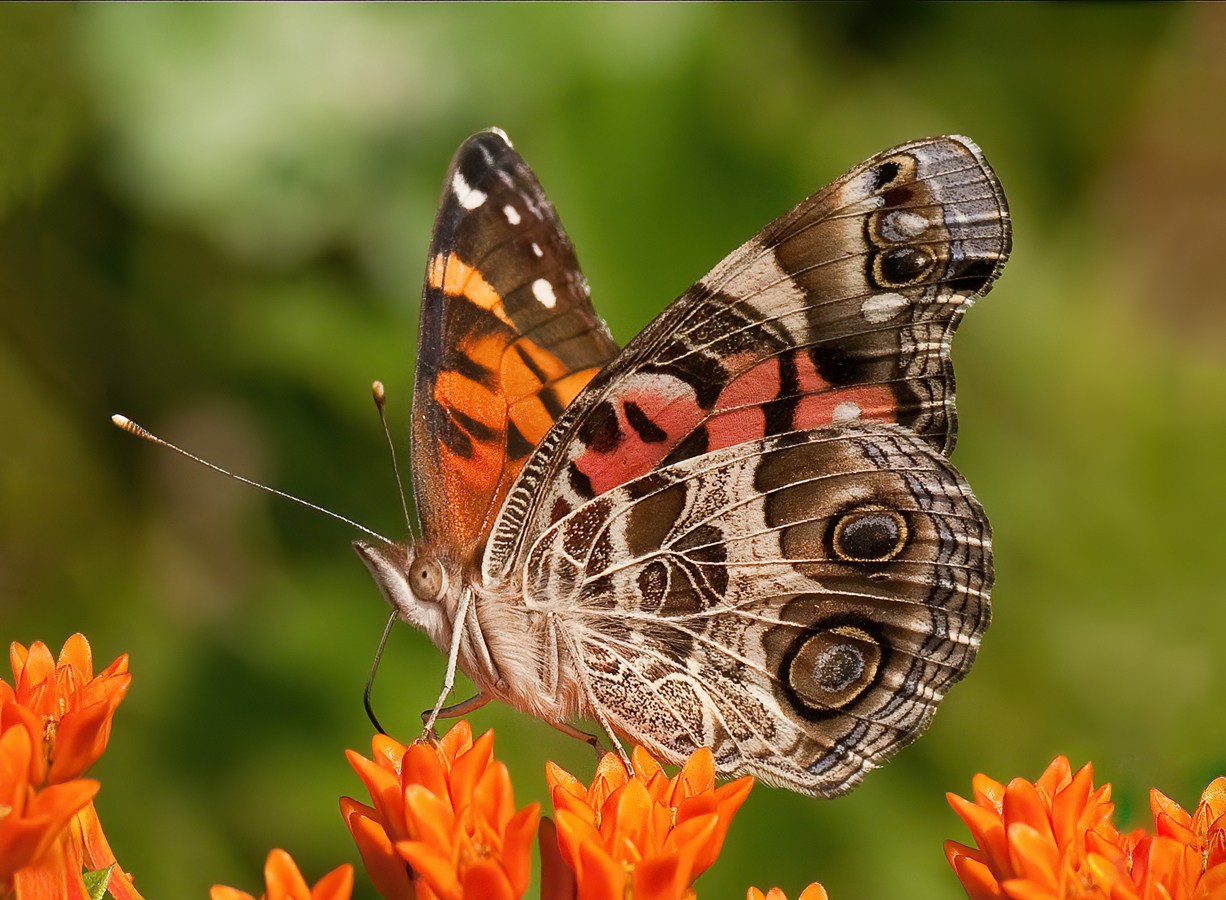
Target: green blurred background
{"type": "Point", "coordinates": [214, 219]}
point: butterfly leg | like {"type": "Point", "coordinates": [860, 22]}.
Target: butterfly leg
{"type": "Point", "coordinates": [453, 655]}
{"type": "Point", "coordinates": [455, 710]}
{"type": "Point", "coordinates": [590, 739]}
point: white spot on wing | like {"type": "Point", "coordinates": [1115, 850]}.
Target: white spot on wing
{"type": "Point", "coordinates": [543, 291]}
{"type": "Point", "coordinates": [878, 308]}
{"type": "Point", "coordinates": [536, 248]}
{"type": "Point", "coordinates": [469, 197]}
{"type": "Point", "coordinates": [845, 411]}
{"type": "Point", "coordinates": [511, 213]}
{"type": "Point", "coordinates": [905, 223]}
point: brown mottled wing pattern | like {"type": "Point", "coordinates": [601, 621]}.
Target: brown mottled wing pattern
{"type": "Point", "coordinates": [798, 603]}
{"type": "Point", "coordinates": [841, 310]}
{"type": "Point", "coordinates": [508, 337]}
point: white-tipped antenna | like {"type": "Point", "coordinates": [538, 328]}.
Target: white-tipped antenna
{"type": "Point", "coordinates": [376, 391]}
{"type": "Point", "coordinates": [132, 428]}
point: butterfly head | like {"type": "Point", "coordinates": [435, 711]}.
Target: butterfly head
{"type": "Point", "coordinates": [419, 584]}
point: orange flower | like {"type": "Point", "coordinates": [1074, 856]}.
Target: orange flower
{"type": "Point", "coordinates": [642, 834]}
{"type": "Point", "coordinates": [55, 720]}
{"type": "Point", "coordinates": [447, 810]}
{"type": "Point", "coordinates": [64, 707]}
{"type": "Point", "coordinates": [31, 820]}
{"type": "Point", "coordinates": [1054, 839]}
{"type": "Point", "coordinates": [813, 892]}
{"type": "Point", "coordinates": [283, 881]}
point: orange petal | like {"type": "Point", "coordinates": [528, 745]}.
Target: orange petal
{"type": "Point", "coordinates": [422, 765]}
{"type": "Point", "coordinates": [485, 879]}
{"type": "Point", "coordinates": [663, 877]}
{"type": "Point", "coordinates": [575, 831]}
{"type": "Point", "coordinates": [76, 653]}
{"type": "Point", "coordinates": [1024, 804]}
{"type": "Point", "coordinates": [96, 853]}
{"type": "Point", "coordinates": [1067, 807]}
{"type": "Point", "coordinates": [468, 767]}
{"type": "Point", "coordinates": [813, 892]}
{"type": "Point", "coordinates": [1019, 889]}
{"type": "Point", "coordinates": [82, 735]}
{"type": "Point", "coordinates": [387, 752]}
{"type": "Point", "coordinates": [988, 831]}
{"type": "Point", "coordinates": [696, 776]}
{"type": "Point", "coordinates": [1034, 855]}
{"type": "Point", "coordinates": [55, 875]}
{"type": "Point", "coordinates": [457, 740]}
{"type": "Point", "coordinates": [598, 875]}
{"type": "Point", "coordinates": [728, 799]}
{"type": "Point", "coordinates": [987, 792]}
{"type": "Point", "coordinates": [221, 892]}
{"type": "Point", "coordinates": [385, 794]}
{"type": "Point", "coordinates": [1057, 774]}
{"type": "Point", "coordinates": [977, 879]}
{"type": "Point", "coordinates": [435, 868]}
{"type": "Point", "coordinates": [558, 779]}
{"type": "Point", "coordinates": [282, 878]}
{"type": "Point", "coordinates": [385, 868]}
{"type": "Point", "coordinates": [35, 667]}
{"type": "Point", "coordinates": [517, 847]}
{"type": "Point", "coordinates": [336, 885]}
{"type": "Point", "coordinates": [430, 818]}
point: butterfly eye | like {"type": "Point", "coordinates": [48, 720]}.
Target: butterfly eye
{"type": "Point", "coordinates": [869, 535]}
{"type": "Point", "coordinates": [427, 579]}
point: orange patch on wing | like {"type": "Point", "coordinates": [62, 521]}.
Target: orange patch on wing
{"type": "Point", "coordinates": [458, 279]}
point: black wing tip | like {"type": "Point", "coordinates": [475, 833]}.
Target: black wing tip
{"type": "Point", "coordinates": [492, 140]}
{"type": "Point", "coordinates": [482, 153]}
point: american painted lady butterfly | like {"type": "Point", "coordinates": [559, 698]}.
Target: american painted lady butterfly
{"type": "Point", "coordinates": [742, 530]}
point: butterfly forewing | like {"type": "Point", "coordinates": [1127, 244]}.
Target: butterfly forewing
{"type": "Point", "coordinates": [840, 310]}
{"type": "Point", "coordinates": [798, 603]}
{"type": "Point", "coordinates": [507, 338]}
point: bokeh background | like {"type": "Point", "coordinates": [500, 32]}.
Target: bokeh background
{"type": "Point", "coordinates": [214, 219]}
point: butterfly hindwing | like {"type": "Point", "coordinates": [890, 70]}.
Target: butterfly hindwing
{"type": "Point", "coordinates": [798, 603]}
{"type": "Point", "coordinates": [507, 338]}
{"type": "Point", "coordinates": [841, 309]}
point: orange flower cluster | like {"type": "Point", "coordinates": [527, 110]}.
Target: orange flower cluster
{"type": "Point", "coordinates": [55, 720]}
{"type": "Point", "coordinates": [1054, 840]}
{"type": "Point", "coordinates": [642, 834]}
{"type": "Point", "coordinates": [443, 822]}
{"type": "Point", "coordinates": [443, 825]}
{"type": "Point", "coordinates": [283, 881]}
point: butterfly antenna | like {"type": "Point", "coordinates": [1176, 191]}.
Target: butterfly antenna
{"type": "Point", "coordinates": [132, 428]}
{"type": "Point", "coordinates": [374, 667]}
{"type": "Point", "coordinates": [376, 391]}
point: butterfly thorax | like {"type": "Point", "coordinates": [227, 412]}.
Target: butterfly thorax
{"type": "Point", "coordinates": [504, 647]}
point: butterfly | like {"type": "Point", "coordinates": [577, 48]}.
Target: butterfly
{"type": "Point", "coordinates": [740, 531]}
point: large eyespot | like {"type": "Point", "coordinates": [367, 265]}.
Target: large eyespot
{"type": "Point", "coordinates": [426, 578]}
{"type": "Point", "coordinates": [901, 266]}
{"type": "Point", "coordinates": [869, 534]}
{"type": "Point", "coordinates": [832, 666]}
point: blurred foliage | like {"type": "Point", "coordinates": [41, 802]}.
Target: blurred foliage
{"type": "Point", "coordinates": [214, 218]}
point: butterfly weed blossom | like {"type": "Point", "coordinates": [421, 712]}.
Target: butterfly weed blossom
{"type": "Point", "coordinates": [443, 822]}
{"type": "Point", "coordinates": [283, 881]}
{"type": "Point", "coordinates": [1054, 839]}
{"type": "Point", "coordinates": [55, 721]}
{"type": "Point", "coordinates": [812, 892]}
{"type": "Point", "coordinates": [641, 834]}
